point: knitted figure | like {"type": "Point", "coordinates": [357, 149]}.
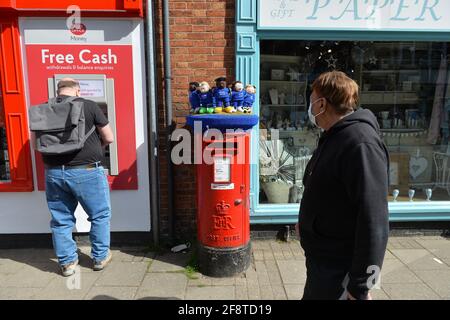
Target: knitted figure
{"type": "Point", "coordinates": [194, 99]}
{"type": "Point", "coordinates": [237, 97]}
{"type": "Point", "coordinates": [206, 98]}
{"type": "Point", "coordinates": [221, 95]}
{"type": "Point", "coordinates": [249, 98]}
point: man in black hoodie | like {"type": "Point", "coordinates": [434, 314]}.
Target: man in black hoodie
{"type": "Point", "coordinates": [343, 221]}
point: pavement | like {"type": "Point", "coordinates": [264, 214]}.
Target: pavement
{"type": "Point", "coordinates": [415, 268]}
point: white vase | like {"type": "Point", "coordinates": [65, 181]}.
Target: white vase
{"type": "Point", "coordinates": [276, 192]}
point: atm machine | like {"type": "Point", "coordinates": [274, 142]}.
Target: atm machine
{"type": "Point", "coordinates": [98, 88]}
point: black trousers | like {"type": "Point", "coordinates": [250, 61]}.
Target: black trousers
{"type": "Point", "coordinates": [326, 279]}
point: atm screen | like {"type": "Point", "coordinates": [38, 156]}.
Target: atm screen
{"type": "Point", "coordinates": [92, 88]}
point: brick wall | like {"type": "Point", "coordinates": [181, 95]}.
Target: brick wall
{"type": "Point", "coordinates": [202, 34]}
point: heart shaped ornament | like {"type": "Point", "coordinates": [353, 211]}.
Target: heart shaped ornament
{"type": "Point", "coordinates": [417, 166]}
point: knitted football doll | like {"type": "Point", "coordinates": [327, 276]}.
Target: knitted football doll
{"type": "Point", "coordinates": [237, 96]}
{"type": "Point", "coordinates": [206, 98]}
{"type": "Point", "coordinates": [221, 95]}
{"type": "Point", "coordinates": [194, 99]}
{"type": "Point", "coordinates": [249, 98]}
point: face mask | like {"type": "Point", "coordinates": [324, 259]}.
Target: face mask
{"type": "Point", "coordinates": [312, 117]}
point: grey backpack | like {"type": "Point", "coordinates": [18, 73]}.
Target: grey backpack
{"type": "Point", "coordinates": [60, 127]}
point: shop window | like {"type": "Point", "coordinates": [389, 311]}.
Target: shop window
{"type": "Point", "coordinates": [405, 84]}
{"type": "Point", "coordinates": [4, 156]}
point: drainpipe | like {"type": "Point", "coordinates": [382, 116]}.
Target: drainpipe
{"type": "Point", "coordinates": [169, 120]}
{"type": "Point", "coordinates": [152, 120]}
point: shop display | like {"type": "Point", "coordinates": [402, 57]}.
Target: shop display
{"type": "Point", "coordinates": [220, 99]}
{"type": "Point", "coordinates": [405, 84]}
{"type": "Point", "coordinates": [277, 172]}
{"type": "Point", "coordinates": [283, 103]}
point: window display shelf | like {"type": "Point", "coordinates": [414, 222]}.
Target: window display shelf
{"type": "Point", "coordinates": [389, 97]}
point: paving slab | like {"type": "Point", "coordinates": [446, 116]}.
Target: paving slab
{"type": "Point", "coordinates": [159, 285]}
{"type": "Point", "coordinates": [441, 253]}
{"type": "Point", "coordinates": [227, 281]}
{"type": "Point", "coordinates": [292, 271]}
{"type": "Point", "coordinates": [273, 272]}
{"type": "Point", "coordinates": [37, 275]}
{"type": "Point", "coordinates": [69, 288]}
{"type": "Point", "coordinates": [294, 291]}
{"type": "Point", "coordinates": [379, 294]}
{"type": "Point", "coordinates": [438, 280]}
{"type": "Point", "coordinates": [266, 292]}
{"type": "Point", "coordinates": [170, 262]}
{"type": "Point", "coordinates": [394, 271]}
{"type": "Point", "coordinates": [123, 274]}
{"type": "Point", "coordinates": [111, 293]}
{"type": "Point", "coordinates": [441, 243]}
{"type": "Point", "coordinates": [410, 291]}
{"type": "Point", "coordinates": [19, 293]}
{"type": "Point", "coordinates": [262, 273]}
{"type": "Point", "coordinates": [240, 292]}
{"type": "Point", "coordinates": [211, 293]}
{"type": "Point", "coordinates": [258, 255]}
{"type": "Point", "coordinates": [200, 280]}
{"type": "Point", "coordinates": [9, 267]}
{"type": "Point", "coordinates": [279, 292]}
{"type": "Point", "coordinates": [419, 259]}
{"type": "Point", "coordinates": [254, 292]}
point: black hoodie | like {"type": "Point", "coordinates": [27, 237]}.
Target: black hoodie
{"type": "Point", "coordinates": [344, 212]}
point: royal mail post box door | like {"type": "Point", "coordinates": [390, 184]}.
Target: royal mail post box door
{"type": "Point", "coordinates": [223, 203]}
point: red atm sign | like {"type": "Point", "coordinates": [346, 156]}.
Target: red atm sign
{"type": "Point", "coordinates": [112, 61]}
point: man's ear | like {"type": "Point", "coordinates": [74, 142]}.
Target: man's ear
{"type": "Point", "coordinates": [323, 104]}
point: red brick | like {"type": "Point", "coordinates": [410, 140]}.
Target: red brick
{"type": "Point", "coordinates": [202, 48]}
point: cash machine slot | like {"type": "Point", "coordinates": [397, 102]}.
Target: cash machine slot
{"type": "Point", "coordinates": [100, 89]}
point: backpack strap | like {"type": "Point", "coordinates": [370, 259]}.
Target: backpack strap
{"type": "Point", "coordinates": [89, 133]}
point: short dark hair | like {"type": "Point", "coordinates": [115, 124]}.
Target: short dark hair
{"type": "Point", "coordinates": [68, 84]}
{"type": "Point", "coordinates": [220, 79]}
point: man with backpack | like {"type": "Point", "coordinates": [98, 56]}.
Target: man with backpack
{"type": "Point", "coordinates": [70, 133]}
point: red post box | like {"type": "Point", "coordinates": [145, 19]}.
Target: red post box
{"type": "Point", "coordinates": [223, 187]}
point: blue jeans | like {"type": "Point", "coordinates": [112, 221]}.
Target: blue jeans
{"type": "Point", "coordinates": [65, 188]}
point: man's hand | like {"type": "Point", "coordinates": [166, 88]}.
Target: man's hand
{"type": "Point", "coordinates": [350, 297]}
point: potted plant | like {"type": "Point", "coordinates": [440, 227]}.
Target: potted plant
{"type": "Point", "coordinates": [276, 170]}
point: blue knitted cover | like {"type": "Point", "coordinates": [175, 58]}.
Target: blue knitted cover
{"type": "Point", "coordinates": [224, 121]}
